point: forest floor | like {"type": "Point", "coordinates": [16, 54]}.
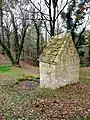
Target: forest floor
{"type": "Point", "coordinates": [27, 101]}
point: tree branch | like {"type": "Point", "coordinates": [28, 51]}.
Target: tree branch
{"type": "Point", "coordinates": [61, 10]}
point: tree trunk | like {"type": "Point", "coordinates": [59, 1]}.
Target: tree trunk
{"type": "Point", "coordinates": [38, 44]}
{"type": "Point", "coordinates": [89, 52]}
{"type": "Point", "coordinates": [1, 25]}
{"type": "Point", "coordinates": [16, 63]}
{"type": "Point", "coordinates": [16, 40]}
{"type": "Point", "coordinates": [7, 52]}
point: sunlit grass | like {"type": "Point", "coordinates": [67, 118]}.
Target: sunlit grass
{"type": "Point", "coordinates": [15, 72]}
{"type": "Point", "coordinates": [5, 68]}
{"type": "Point", "coordinates": [10, 71]}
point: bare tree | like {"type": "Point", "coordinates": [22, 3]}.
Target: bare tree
{"type": "Point", "coordinates": [38, 24]}
{"type": "Point", "coordinates": [50, 15]}
{"type": "Point", "coordinates": [1, 21]}
{"type": "Point", "coordinates": [17, 29]}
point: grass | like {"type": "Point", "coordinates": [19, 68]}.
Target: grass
{"type": "Point", "coordinates": [4, 68]}
{"type": "Point", "coordinates": [41, 104]}
{"type": "Point", "coordinates": [10, 71]}
{"type": "Point", "coordinates": [85, 75]}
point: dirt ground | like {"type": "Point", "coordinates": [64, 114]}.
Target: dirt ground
{"type": "Point", "coordinates": [27, 101]}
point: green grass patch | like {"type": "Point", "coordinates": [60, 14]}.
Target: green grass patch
{"type": "Point", "coordinates": [11, 71]}
{"type": "Point", "coordinates": [5, 68]}
{"type": "Point", "coordinates": [15, 75]}
{"type": "Point", "coordinates": [8, 70]}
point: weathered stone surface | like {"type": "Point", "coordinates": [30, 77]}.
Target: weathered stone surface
{"type": "Point", "coordinates": [59, 62]}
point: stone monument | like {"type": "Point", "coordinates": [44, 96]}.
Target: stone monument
{"type": "Point", "coordinates": [59, 62]}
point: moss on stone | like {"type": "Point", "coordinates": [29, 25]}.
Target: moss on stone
{"type": "Point", "coordinates": [54, 48]}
